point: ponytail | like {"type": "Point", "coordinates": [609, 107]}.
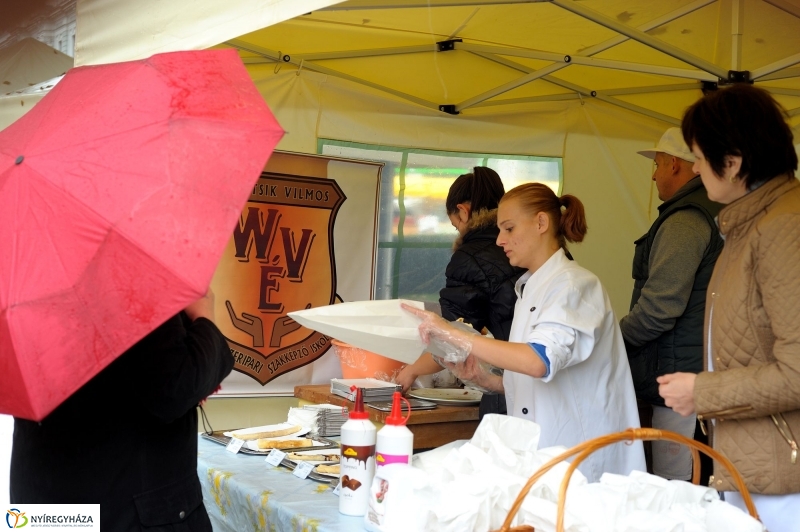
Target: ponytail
{"type": "Point", "coordinates": [482, 189]}
{"type": "Point", "coordinates": [569, 223]}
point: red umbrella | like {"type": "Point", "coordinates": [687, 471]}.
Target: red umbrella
{"type": "Point", "coordinates": [118, 193]}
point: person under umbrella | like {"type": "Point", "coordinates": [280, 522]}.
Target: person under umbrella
{"type": "Point", "coordinates": [128, 438]}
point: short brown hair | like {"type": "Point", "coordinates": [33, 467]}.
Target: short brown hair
{"type": "Point", "coordinates": [746, 121]}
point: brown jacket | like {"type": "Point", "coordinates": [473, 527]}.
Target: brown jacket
{"type": "Point", "coordinates": [752, 329]}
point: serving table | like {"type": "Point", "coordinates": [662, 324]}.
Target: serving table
{"type": "Point", "coordinates": [243, 492]}
{"type": "Point", "coordinates": [431, 428]}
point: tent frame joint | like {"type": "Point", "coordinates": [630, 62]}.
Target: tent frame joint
{"type": "Point", "coordinates": [739, 76]}
{"type": "Point", "coordinates": [448, 108]}
{"type": "Point", "coordinates": [448, 45]}
{"type": "Point", "coordinates": [709, 86]}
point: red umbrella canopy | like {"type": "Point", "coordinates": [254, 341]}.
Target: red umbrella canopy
{"type": "Point", "coordinates": [118, 193]}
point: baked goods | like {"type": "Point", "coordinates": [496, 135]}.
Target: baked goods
{"type": "Point", "coordinates": [248, 436]}
{"type": "Point", "coordinates": [313, 457]}
{"type": "Point", "coordinates": [284, 444]}
{"type": "Point", "coordinates": [328, 469]}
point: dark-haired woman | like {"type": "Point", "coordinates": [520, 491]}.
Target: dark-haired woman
{"type": "Point", "coordinates": [750, 392]}
{"type": "Point", "coordinates": [480, 280]}
{"type": "Point", "coordinates": [565, 362]}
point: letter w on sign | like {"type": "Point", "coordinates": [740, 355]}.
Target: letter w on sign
{"type": "Point", "coordinates": [279, 259]}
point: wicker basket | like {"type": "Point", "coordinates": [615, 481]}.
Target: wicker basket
{"type": "Point", "coordinates": [586, 448]}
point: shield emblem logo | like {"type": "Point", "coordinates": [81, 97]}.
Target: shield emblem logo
{"type": "Point", "coordinates": [279, 259]}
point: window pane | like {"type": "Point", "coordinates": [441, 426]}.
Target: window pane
{"type": "Point", "coordinates": [414, 233]}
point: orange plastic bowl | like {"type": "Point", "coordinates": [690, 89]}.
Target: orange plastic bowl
{"type": "Point", "coordinates": [359, 363]}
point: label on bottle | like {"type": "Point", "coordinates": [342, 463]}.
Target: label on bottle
{"type": "Point", "coordinates": [382, 459]}
{"type": "Point", "coordinates": [357, 468]}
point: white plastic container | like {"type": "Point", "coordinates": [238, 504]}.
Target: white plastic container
{"type": "Point", "coordinates": [395, 443]}
{"type": "Point", "coordinates": [357, 463]}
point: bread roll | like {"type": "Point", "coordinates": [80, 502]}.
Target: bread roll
{"type": "Point", "coordinates": [313, 457]}
{"type": "Point", "coordinates": [267, 434]}
{"type": "Point", "coordinates": [284, 444]}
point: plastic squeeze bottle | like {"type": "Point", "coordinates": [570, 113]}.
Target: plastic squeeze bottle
{"type": "Point", "coordinates": [395, 443]}
{"type": "Point", "coordinates": [357, 463]}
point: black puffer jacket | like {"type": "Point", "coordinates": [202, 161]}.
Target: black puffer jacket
{"type": "Point", "coordinates": [480, 286]}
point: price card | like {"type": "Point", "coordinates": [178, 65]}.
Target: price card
{"type": "Point", "coordinates": [275, 457]}
{"type": "Point", "coordinates": [234, 445]}
{"type": "Point", "coordinates": [336, 489]}
{"type": "Point", "coordinates": [302, 470]}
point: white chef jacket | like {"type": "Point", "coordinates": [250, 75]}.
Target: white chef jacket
{"type": "Point", "coordinates": [589, 390]}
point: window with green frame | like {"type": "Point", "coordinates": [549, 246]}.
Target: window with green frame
{"type": "Point", "coordinates": [415, 237]}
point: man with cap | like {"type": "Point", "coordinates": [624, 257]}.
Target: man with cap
{"type": "Point", "coordinates": [672, 266]}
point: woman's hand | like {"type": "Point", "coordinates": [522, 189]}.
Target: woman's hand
{"type": "Point", "coordinates": [471, 371]}
{"type": "Point", "coordinates": [202, 308]}
{"type": "Point", "coordinates": [435, 330]}
{"type": "Point", "coordinates": [677, 389]}
{"type": "Point", "coordinates": [406, 377]}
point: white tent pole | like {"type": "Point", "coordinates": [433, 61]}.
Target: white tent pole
{"type": "Point", "coordinates": [774, 67]}
{"type": "Point", "coordinates": [651, 88]}
{"type": "Point", "coordinates": [265, 52]}
{"type": "Point", "coordinates": [587, 61]}
{"type": "Point", "coordinates": [578, 90]}
{"type": "Point", "coordinates": [737, 21]}
{"type": "Point", "coordinates": [648, 69]}
{"type": "Point", "coordinates": [531, 99]}
{"type": "Point", "coordinates": [641, 37]}
{"type": "Point", "coordinates": [782, 91]}
{"type": "Point", "coordinates": [786, 6]}
{"type": "Point", "coordinates": [794, 112]}
{"type": "Point", "coordinates": [613, 101]}
{"type": "Point", "coordinates": [511, 85]}
{"type": "Point", "coordinates": [463, 25]}
{"type": "Point", "coordinates": [782, 74]}
{"type": "Point", "coordinates": [669, 17]}
{"type": "Point", "coordinates": [346, 54]}
{"type": "Point", "coordinates": [596, 49]}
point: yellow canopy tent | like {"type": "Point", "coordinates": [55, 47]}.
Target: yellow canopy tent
{"type": "Point", "coordinates": [591, 81]}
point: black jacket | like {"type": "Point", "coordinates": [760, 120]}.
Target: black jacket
{"type": "Point", "coordinates": [680, 348]}
{"type": "Point", "coordinates": [128, 438]}
{"type": "Point", "coordinates": [480, 287]}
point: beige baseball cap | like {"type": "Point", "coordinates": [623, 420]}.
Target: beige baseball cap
{"type": "Point", "coordinates": [671, 143]}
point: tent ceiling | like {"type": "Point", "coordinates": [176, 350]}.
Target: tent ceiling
{"type": "Point", "coordinates": [649, 57]}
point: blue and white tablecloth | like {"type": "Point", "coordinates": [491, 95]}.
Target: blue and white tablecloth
{"type": "Point", "coordinates": [243, 493]}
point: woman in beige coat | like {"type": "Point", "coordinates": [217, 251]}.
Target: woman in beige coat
{"type": "Point", "coordinates": [749, 397]}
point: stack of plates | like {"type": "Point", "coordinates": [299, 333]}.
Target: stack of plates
{"type": "Point", "coordinates": [372, 390]}
{"type": "Point", "coordinates": [324, 420]}
{"type": "Point", "coordinates": [329, 418]}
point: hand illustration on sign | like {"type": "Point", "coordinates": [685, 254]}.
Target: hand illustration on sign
{"type": "Point", "coordinates": [250, 324]}
{"type": "Point", "coordinates": [281, 328]}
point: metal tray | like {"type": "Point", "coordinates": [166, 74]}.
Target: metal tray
{"type": "Point", "coordinates": [219, 437]}
{"type": "Point", "coordinates": [325, 479]}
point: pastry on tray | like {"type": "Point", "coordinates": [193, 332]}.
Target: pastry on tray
{"type": "Point", "coordinates": [313, 457]}
{"type": "Point", "coordinates": [247, 436]}
{"type": "Point", "coordinates": [266, 443]}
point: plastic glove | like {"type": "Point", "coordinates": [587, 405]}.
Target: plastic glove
{"type": "Point", "coordinates": [475, 373]}
{"type": "Point", "coordinates": [439, 333]}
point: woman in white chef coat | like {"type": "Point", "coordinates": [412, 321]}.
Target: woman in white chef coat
{"type": "Point", "coordinates": [565, 363]}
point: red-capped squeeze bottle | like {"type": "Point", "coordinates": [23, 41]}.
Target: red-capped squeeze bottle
{"type": "Point", "coordinates": [357, 464]}
{"type": "Point", "coordinates": [395, 443]}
